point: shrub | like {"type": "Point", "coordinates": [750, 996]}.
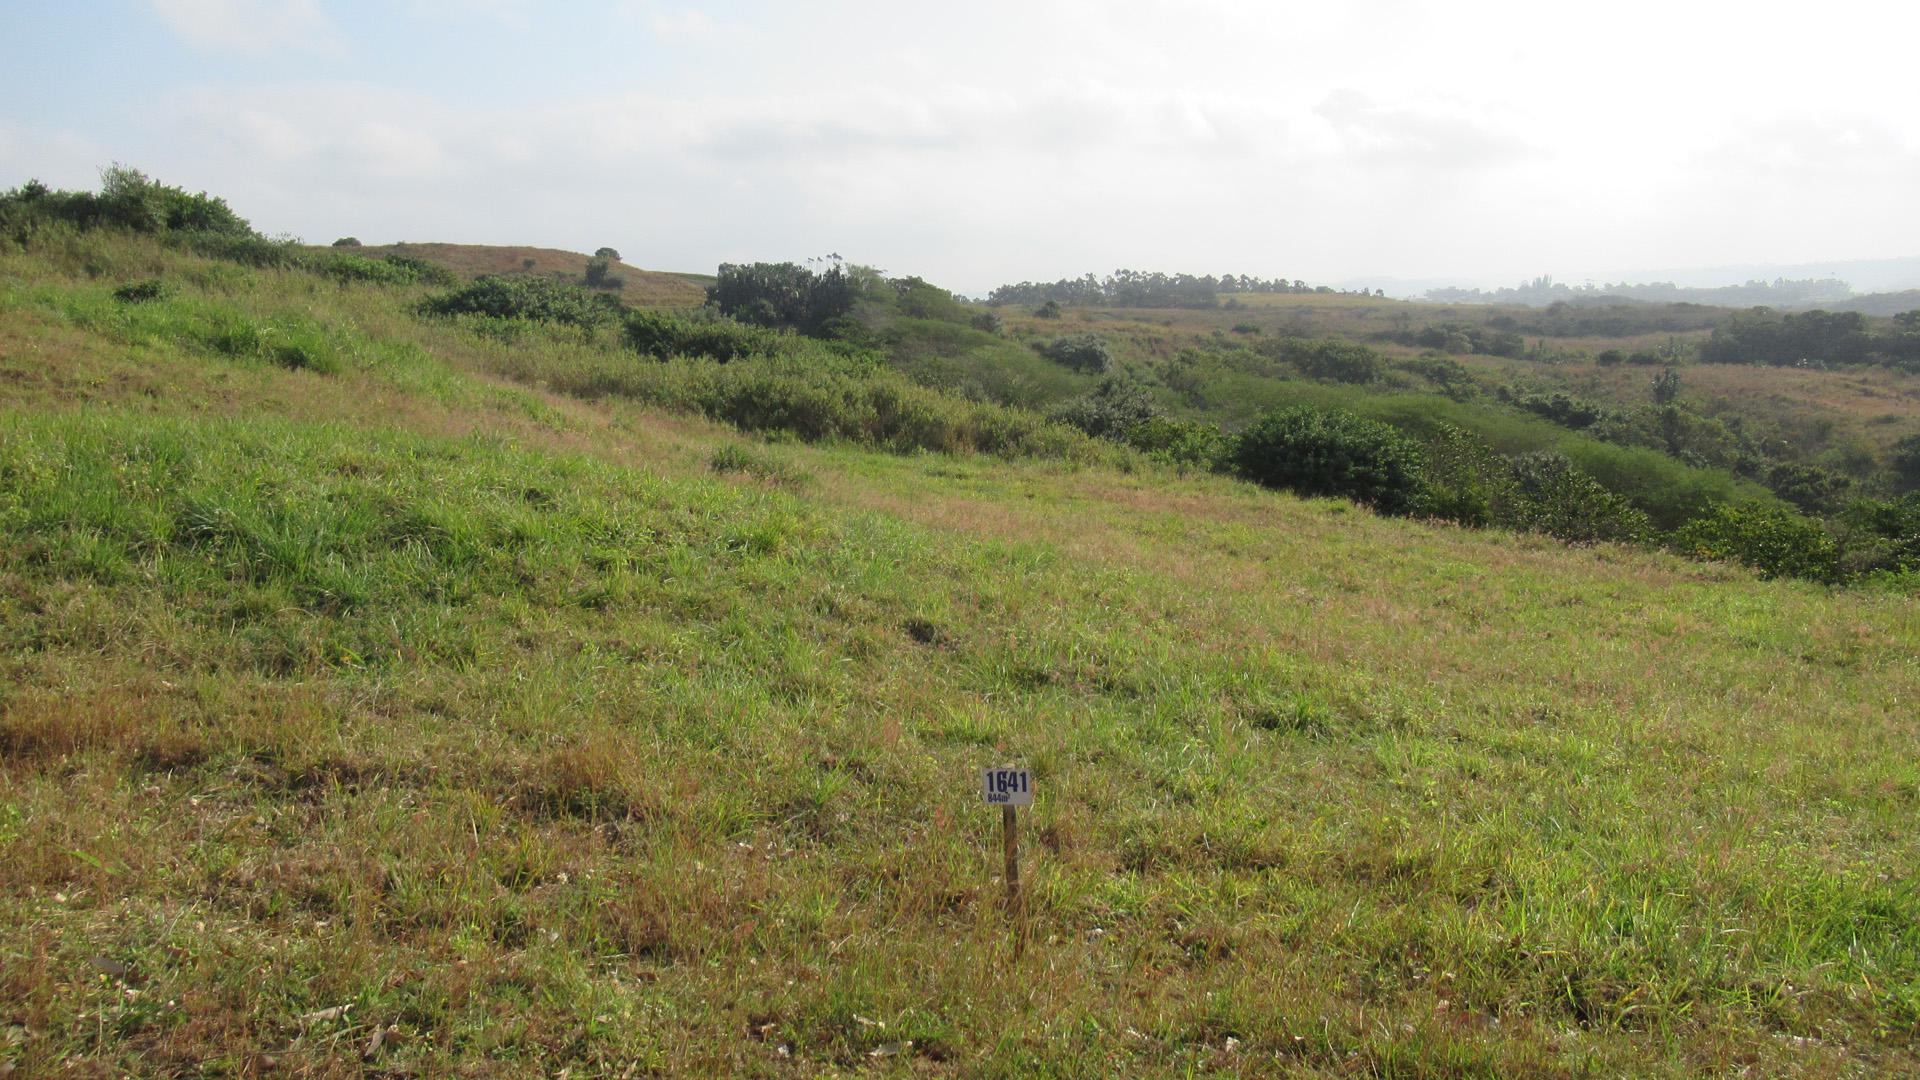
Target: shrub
{"type": "Point", "coordinates": [1048, 310]}
{"type": "Point", "coordinates": [140, 292]}
{"type": "Point", "coordinates": [533, 299]}
{"type": "Point", "coordinates": [1905, 464]}
{"type": "Point", "coordinates": [987, 322]}
{"type": "Point", "coordinates": [661, 335]}
{"type": "Point", "coordinates": [1772, 539]}
{"type": "Point", "coordinates": [1553, 496]}
{"type": "Point", "coordinates": [1081, 352]}
{"type": "Point", "coordinates": [1181, 442]}
{"type": "Point", "coordinates": [1333, 452]}
{"type": "Point", "coordinates": [347, 241]}
{"type": "Point", "coordinates": [1326, 358]}
{"type": "Point", "coordinates": [1111, 411]}
{"type": "Point", "coordinates": [599, 274]}
{"type": "Point", "coordinates": [607, 253]}
{"type": "Point", "coordinates": [787, 295]}
{"type": "Point", "coordinates": [1466, 481]}
{"type": "Point", "coordinates": [128, 199]}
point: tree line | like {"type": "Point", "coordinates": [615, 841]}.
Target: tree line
{"type": "Point", "coordinates": [1135, 288]}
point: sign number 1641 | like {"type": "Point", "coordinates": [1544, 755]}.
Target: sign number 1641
{"type": "Point", "coordinates": [1007, 787]}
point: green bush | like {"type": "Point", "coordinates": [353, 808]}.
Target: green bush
{"type": "Point", "coordinates": [128, 199]}
{"type": "Point", "coordinates": [1081, 352]}
{"type": "Point", "coordinates": [1772, 539]}
{"type": "Point", "coordinates": [1182, 442]}
{"type": "Point", "coordinates": [1551, 495]}
{"type": "Point", "coordinates": [661, 335]}
{"type": "Point", "coordinates": [1326, 358]}
{"type": "Point", "coordinates": [1111, 411]}
{"type": "Point", "coordinates": [1333, 452]}
{"type": "Point", "coordinates": [1466, 481]}
{"type": "Point", "coordinates": [789, 296]}
{"type": "Point", "coordinates": [532, 299]}
{"type": "Point", "coordinates": [141, 292]}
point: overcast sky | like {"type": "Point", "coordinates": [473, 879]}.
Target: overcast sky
{"type": "Point", "coordinates": [991, 141]}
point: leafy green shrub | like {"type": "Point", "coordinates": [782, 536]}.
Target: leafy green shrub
{"type": "Point", "coordinates": [661, 335]}
{"type": "Point", "coordinates": [1905, 464]}
{"type": "Point", "coordinates": [128, 199]}
{"type": "Point", "coordinates": [1553, 496]}
{"type": "Point", "coordinates": [392, 270]}
{"type": "Point", "coordinates": [1048, 310]}
{"type": "Point", "coordinates": [347, 241]}
{"type": "Point", "coordinates": [1326, 358]}
{"type": "Point", "coordinates": [1110, 411]}
{"type": "Point", "coordinates": [1466, 481]}
{"type": "Point", "coordinates": [141, 292]}
{"type": "Point", "coordinates": [599, 274]}
{"type": "Point", "coordinates": [1181, 442]}
{"type": "Point", "coordinates": [788, 295]}
{"type": "Point", "coordinates": [1772, 539]}
{"type": "Point", "coordinates": [987, 322]}
{"type": "Point", "coordinates": [532, 299]}
{"type": "Point", "coordinates": [1333, 452]}
{"type": "Point", "coordinates": [1081, 352]}
{"type": "Point", "coordinates": [1880, 536]}
{"type": "Point", "coordinates": [246, 249]}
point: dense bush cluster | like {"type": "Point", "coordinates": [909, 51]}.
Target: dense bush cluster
{"type": "Point", "coordinates": [1081, 352]}
{"type": "Point", "coordinates": [525, 298]}
{"type": "Point", "coordinates": [1326, 358]}
{"type": "Point", "coordinates": [128, 199]}
{"type": "Point", "coordinates": [1332, 452]}
{"type": "Point", "coordinates": [1814, 338]}
{"type": "Point", "coordinates": [662, 335]}
{"type": "Point", "coordinates": [1460, 338]}
{"type": "Point", "coordinates": [789, 296]}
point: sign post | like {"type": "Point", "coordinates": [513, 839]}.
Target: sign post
{"type": "Point", "coordinates": [1009, 788]}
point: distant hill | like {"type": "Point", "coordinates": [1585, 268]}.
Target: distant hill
{"type": "Point", "coordinates": [648, 288]}
{"type": "Point", "coordinates": [1886, 303]}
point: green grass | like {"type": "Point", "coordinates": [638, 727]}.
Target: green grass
{"type": "Point", "coordinates": [569, 735]}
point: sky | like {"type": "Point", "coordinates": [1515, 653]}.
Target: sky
{"type": "Point", "coordinates": [980, 143]}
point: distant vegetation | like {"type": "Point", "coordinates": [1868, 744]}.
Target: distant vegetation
{"type": "Point", "coordinates": [1133, 288]}
{"type": "Point", "coordinates": [1542, 291]}
{"type": "Point", "coordinates": [836, 350]}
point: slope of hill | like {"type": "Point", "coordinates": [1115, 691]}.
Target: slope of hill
{"type": "Point", "coordinates": [651, 288]}
{"type": "Point", "coordinates": [372, 705]}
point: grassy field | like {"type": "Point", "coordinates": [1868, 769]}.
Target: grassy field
{"type": "Point", "coordinates": [384, 698]}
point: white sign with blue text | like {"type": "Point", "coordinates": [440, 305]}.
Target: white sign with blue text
{"type": "Point", "coordinates": [1007, 786]}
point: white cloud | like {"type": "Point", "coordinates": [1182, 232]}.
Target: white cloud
{"type": "Point", "coordinates": [250, 27]}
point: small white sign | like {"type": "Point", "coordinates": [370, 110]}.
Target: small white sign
{"type": "Point", "coordinates": [1007, 786]}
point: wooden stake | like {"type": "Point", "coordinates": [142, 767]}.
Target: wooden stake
{"type": "Point", "coordinates": [1010, 841]}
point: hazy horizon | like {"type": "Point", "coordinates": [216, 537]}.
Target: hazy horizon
{"type": "Point", "coordinates": [1392, 141]}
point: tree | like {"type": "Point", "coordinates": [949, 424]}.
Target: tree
{"type": "Point", "coordinates": [600, 274]}
{"type": "Point", "coordinates": [347, 241]}
{"type": "Point", "coordinates": [607, 253]}
{"type": "Point", "coordinates": [1666, 386]}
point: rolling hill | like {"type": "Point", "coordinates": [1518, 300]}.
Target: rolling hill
{"type": "Point", "coordinates": [388, 694]}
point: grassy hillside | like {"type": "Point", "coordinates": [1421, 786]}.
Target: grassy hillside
{"type": "Point", "coordinates": [407, 696]}
{"type": "Point", "coordinates": [646, 287]}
